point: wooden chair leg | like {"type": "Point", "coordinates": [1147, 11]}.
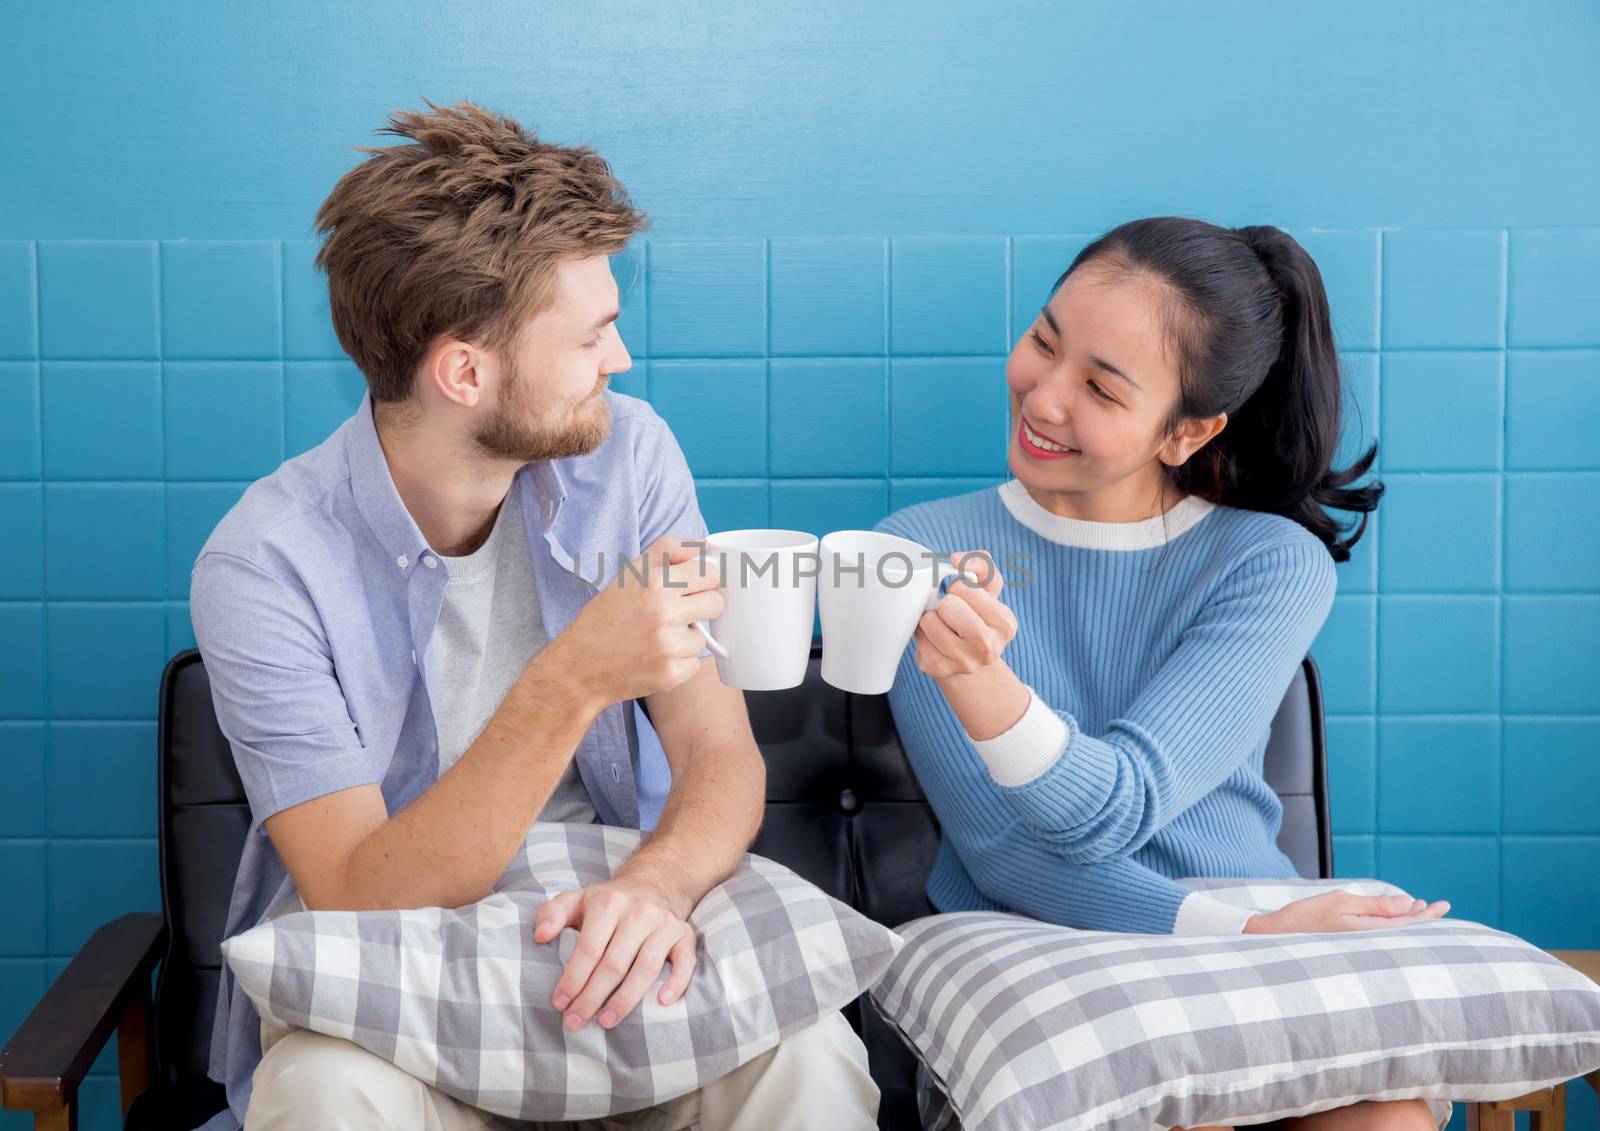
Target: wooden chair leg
{"type": "Point", "coordinates": [134, 1048]}
{"type": "Point", "coordinates": [63, 1118]}
{"type": "Point", "coordinates": [1546, 1108]}
{"type": "Point", "coordinates": [1487, 1117]}
{"type": "Point", "coordinates": [1553, 1118]}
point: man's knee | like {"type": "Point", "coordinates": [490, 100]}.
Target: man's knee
{"type": "Point", "coordinates": [1397, 1115]}
{"type": "Point", "coordinates": [816, 1077]}
{"type": "Point", "coordinates": [823, 1047]}
{"type": "Point", "coordinates": [309, 1079]}
{"type": "Point", "coordinates": [1368, 1115]}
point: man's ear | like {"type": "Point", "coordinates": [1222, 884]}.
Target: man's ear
{"type": "Point", "coordinates": [455, 370]}
{"type": "Point", "coordinates": [1192, 435]}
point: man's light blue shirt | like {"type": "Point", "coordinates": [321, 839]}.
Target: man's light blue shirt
{"type": "Point", "coordinates": [314, 601]}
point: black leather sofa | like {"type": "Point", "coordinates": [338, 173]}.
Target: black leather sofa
{"type": "Point", "coordinates": [843, 810]}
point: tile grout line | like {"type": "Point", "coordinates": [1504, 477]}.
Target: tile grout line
{"type": "Point", "coordinates": [281, 265]}
{"type": "Point", "coordinates": [161, 369]}
{"type": "Point", "coordinates": [1010, 287]}
{"type": "Point", "coordinates": [1500, 581]}
{"type": "Point", "coordinates": [47, 729]}
{"type": "Point", "coordinates": [648, 268]}
{"type": "Point", "coordinates": [887, 257]}
{"type": "Point", "coordinates": [644, 315]}
{"type": "Point", "coordinates": [166, 477]}
{"type": "Point", "coordinates": [767, 367]}
{"type": "Point", "coordinates": [1377, 580]}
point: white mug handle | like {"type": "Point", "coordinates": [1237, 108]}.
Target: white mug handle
{"type": "Point", "coordinates": [946, 570]}
{"type": "Point", "coordinates": [711, 641]}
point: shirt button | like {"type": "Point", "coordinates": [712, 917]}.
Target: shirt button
{"type": "Point", "coordinates": [430, 561]}
{"type": "Point", "coordinates": [413, 655]}
{"type": "Point", "coordinates": [401, 561]}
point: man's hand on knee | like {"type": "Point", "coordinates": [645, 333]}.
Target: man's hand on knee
{"type": "Point", "coordinates": [627, 931]}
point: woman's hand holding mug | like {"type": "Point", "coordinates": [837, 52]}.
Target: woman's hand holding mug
{"type": "Point", "coordinates": [970, 627]}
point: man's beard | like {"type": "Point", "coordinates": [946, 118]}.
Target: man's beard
{"type": "Point", "coordinates": [579, 431]}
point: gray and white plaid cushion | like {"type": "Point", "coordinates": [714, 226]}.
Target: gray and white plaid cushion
{"type": "Point", "coordinates": [460, 998]}
{"type": "Point", "coordinates": [1024, 1024]}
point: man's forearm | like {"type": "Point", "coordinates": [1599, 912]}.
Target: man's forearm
{"type": "Point", "coordinates": [449, 846]}
{"type": "Point", "coordinates": [712, 814]}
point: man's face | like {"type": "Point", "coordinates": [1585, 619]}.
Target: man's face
{"type": "Point", "coordinates": [549, 403]}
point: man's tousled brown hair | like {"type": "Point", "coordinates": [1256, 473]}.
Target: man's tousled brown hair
{"type": "Point", "coordinates": [458, 233]}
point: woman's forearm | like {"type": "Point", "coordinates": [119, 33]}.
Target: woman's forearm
{"type": "Point", "coordinates": [988, 702]}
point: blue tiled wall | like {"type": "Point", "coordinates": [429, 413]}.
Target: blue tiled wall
{"type": "Point", "coordinates": [830, 270]}
{"type": "Point", "coordinates": [146, 383]}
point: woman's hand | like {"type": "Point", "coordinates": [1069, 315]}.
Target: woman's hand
{"type": "Point", "coordinates": [1345, 911]}
{"type": "Point", "coordinates": [969, 628]}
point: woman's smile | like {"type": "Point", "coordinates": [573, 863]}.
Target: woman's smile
{"type": "Point", "coordinates": [1037, 446]}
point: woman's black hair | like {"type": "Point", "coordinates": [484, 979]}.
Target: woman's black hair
{"type": "Point", "coordinates": [1249, 332]}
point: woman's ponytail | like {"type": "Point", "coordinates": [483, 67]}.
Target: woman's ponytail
{"type": "Point", "coordinates": [1281, 442]}
{"type": "Point", "coordinates": [1256, 342]}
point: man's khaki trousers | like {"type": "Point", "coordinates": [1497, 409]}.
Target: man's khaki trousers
{"type": "Point", "coordinates": [815, 1078]}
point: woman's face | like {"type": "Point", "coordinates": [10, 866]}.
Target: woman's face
{"type": "Point", "coordinates": [1091, 375]}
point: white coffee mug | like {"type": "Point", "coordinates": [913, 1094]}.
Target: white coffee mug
{"type": "Point", "coordinates": [768, 584]}
{"type": "Point", "coordinates": [873, 589]}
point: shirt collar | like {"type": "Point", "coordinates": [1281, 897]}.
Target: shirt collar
{"type": "Point", "coordinates": [543, 493]}
{"type": "Point", "coordinates": [1090, 535]}
{"type": "Point", "coordinates": [375, 493]}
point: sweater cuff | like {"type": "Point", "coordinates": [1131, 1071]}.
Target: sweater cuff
{"type": "Point", "coordinates": [1028, 748]}
{"type": "Point", "coordinates": [1200, 914]}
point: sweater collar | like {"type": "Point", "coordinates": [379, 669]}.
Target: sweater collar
{"type": "Point", "coordinates": [1090, 535]}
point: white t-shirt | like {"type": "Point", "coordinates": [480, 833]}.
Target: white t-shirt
{"type": "Point", "coordinates": [489, 628]}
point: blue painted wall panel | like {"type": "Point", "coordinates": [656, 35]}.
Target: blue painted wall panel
{"type": "Point", "coordinates": [854, 216]}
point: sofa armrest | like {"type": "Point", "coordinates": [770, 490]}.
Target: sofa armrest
{"type": "Point", "coordinates": [105, 986]}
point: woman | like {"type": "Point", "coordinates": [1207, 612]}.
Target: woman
{"type": "Point", "coordinates": [1174, 415]}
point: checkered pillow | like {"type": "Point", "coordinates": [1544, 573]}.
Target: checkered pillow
{"type": "Point", "coordinates": [1023, 1024]}
{"type": "Point", "coordinates": [460, 998]}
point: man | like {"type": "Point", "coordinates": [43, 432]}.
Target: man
{"type": "Point", "coordinates": [410, 665]}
